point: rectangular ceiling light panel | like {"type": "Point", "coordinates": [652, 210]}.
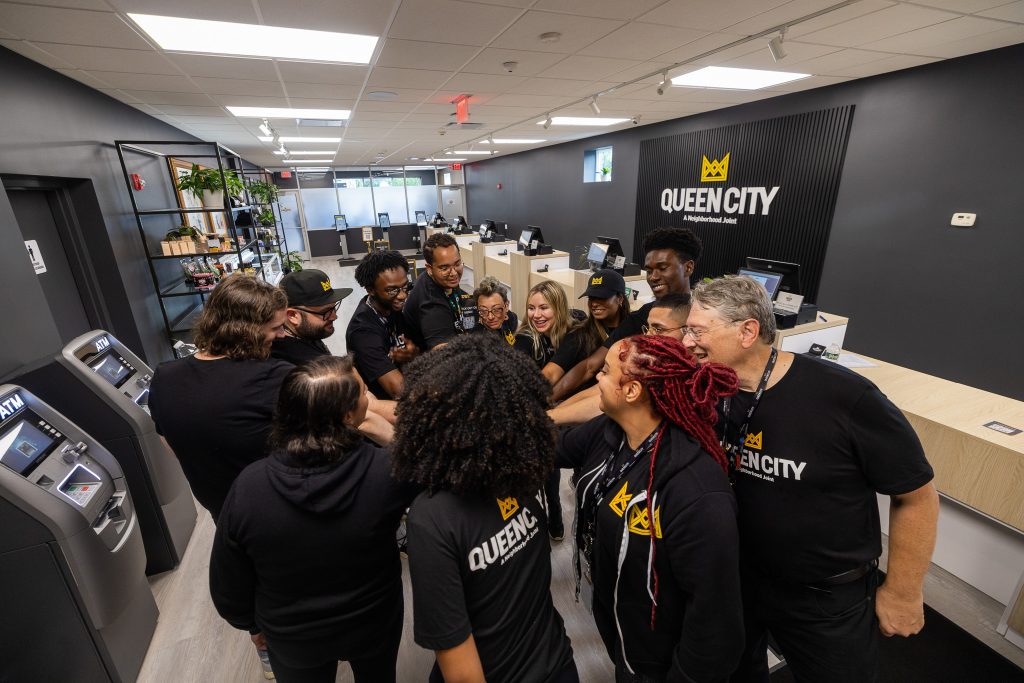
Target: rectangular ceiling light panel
{"type": "Point", "coordinates": [178, 34]}
{"type": "Point", "coordinates": [582, 121]}
{"type": "Point", "coordinates": [728, 78]}
{"type": "Point", "coordinates": [289, 113]}
{"type": "Point", "coordinates": [286, 138]}
{"type": "Point", "coordinates": [308, 153]}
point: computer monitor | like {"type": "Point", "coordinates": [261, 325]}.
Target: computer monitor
{"type": "Point", "coordinates": [615, 258]}
{"type": "Point", "coordinates": [597, 255]}
{"type": "Point", "coordinates": [421, 218]}
{"type": "Point", "coordinates": [790, 272]}
{"type": "Point", "coordinates": [770, 281]}
{"type": "Point", "coordinates": [488, 226]}
{"type": "Point", "coordinates": [384, 220]}
{"type": "Point", "coordinates": [340, 222]}
{"type": "Point", "coordinates": [529, 235]}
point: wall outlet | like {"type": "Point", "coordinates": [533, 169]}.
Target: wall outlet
{"type": "Point", "coordinates": [963, 220]}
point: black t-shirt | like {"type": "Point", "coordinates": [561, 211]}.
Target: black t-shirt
{"type": "Point", "coordinates": [433, 317]}
{"type": "Point", "coordinates": [566, 356]}
{"type": "Point", "coordinates": [215, 414]}
{"type": "Point", "coordinates": [821, 443]}
{"type": "Point", "coordinates": [370, 337]}
{"type": "Point", "coordinates": [483, 567]}
{"type": "Point", "coordinates": [298, 351]}
{"type": "Point", "coordinates": [507, 330]}
{"type": "Point", "coordinates": [631, 325]}
{"type": "Point", "coordinates": [698, 627]}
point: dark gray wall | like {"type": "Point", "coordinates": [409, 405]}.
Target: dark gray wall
{"type": "Point", "coordinates": [925, 143]}
{"type": "Point", "coordinates": [53, 126]}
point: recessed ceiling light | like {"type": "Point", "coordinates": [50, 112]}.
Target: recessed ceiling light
{"type": "Point", "coordinates": [581, 121]}
{"type": "Point", "coordinates": [473, 152]}
{"type": "Point", "coordinates": [255, 40]}
{"type": "Point", "coordinates": [308, 153]}
{"type": "Point", "coordinates": [289, 113]}
{"type": "Point", "coordinates": [550, 37]}
{"type": "Point", "coordinates": [313, 169]}
{"type": "Point", "coordinates": [510, 141]}
{"type": "Point", "coordinates": [447, 159]}
{"type": "Point", "coordinates": [285, 138]}
{"type": "Point", "coordinates": [728, 78]}
{"type": "Point", "coordinates": [307, 161]}
{"type": "Point", "coordinates": [382, 95]}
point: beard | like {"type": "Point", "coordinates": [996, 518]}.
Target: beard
{"type": "Point", "coordinates": [308, 329]}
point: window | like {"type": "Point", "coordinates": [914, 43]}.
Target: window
{"type": "Point", "coordinates": [597, 165]}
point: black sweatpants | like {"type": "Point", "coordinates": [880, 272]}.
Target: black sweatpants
{"type": "Point", "coordinates": [825, 634]}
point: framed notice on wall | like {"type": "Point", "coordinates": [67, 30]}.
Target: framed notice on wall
{"type": "Point", "coordinates": [765, 189]}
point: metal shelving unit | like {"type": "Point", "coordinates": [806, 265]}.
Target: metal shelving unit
{"type": "Point", "coordinates": [180, 303]}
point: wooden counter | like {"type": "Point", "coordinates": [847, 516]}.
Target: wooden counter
{"type": "Point", "coordinates": [826, 329]}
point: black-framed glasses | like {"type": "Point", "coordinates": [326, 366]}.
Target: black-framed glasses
{"type": "Point", "coordinates": [392, 292]}
{"type": "Point", "coordinates": [323, 315]}
{"type": "Point", "coordinates": [496, 311]}
{"type": "Point", "coordinates": [448, 267]}
{"type": "Point", "coordinates": [659, 330]}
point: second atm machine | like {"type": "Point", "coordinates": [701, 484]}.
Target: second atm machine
{"type": "Point", "coordinates": [99, 384]}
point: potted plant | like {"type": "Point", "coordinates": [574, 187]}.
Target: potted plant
{"type": "Point", "coordinates": [605, 172]}
{"type": "Point", "coordinates": [206, 184]}
{"type": "Point", "coordinates": [291, 262]}
{"type": "Point", "coordinates": [266, 217]}
{"type": "Point", "coordinates": [262, 192]}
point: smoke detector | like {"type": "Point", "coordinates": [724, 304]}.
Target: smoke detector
{"type": "Point", "coordinates": [550, 37]}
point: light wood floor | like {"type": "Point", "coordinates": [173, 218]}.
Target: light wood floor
{"type": "Point", "coordinates": [192, 642]}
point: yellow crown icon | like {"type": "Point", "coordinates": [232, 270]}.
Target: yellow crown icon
{"type": "Point", "coordinates": [507, 506]}
{"type": "Point", "coordinates": [326, 284]}
{"type": "Point", "coordinates": [753, 440]}
{"type": "Point", "coordinates": [714, 171]}
{"type": "Point", "coordinates": [597, 280]}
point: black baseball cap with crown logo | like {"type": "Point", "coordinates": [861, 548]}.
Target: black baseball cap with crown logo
{"type": "Point", "coordinates": [604, 284]}
{"type": "Point", "coordinates": [311, 287]}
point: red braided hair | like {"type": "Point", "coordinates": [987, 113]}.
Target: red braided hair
{"type": "Point", "coordinates": [684, 393]}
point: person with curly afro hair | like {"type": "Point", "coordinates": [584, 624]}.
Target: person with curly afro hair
{"type": "Point", "coordinates": [656, 523]}
{"type": "Point", "coordinates": [473, 432]}
{"type": "Point", "coordinates": [376, 333]}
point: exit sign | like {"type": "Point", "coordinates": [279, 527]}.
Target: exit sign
{"type": "Point", "coordinates": [455, 167]}
{"type": "Point", "coordinates": [286, 174]}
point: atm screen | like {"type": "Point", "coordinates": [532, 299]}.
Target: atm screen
{"type": "Point", "coordinates": [112, 369]}
{"type": "Point", "coordinates": [22, 445]}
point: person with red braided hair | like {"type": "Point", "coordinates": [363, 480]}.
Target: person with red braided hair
{"type": "Point", "coordinates": [655, 529]}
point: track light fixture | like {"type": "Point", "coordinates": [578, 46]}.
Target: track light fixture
{"type": "Point", "coordinates": [775, 46]}
{"type": "Point", "coordinates": [593, 105]}
{"type": "Point", "coordinates": [664, 82]}
{"type": "Point", "coordinates": [490, 139]}
{"type": "Point", "coordinates": [266, 129]}
{"type": "Point", "coordinates": [547, 122]}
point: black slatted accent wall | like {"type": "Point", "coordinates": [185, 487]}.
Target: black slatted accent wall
{"type": "Point", "coordinates": [802, 155]}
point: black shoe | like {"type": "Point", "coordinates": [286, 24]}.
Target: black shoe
{"type": "Point", "coordinates": [557, 533]}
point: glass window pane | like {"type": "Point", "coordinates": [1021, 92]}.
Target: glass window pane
{"type": "Point", "coordinates": [422, 186]}
{"type": "Point", "coordinates": [389, 193]}
{"type": "Point", "coordinates": [355, 196]}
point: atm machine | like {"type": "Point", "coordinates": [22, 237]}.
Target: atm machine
{"type": "Point", "coordinates": [76, 602]}
{"type": "Point", "coordinates": [101, 385]}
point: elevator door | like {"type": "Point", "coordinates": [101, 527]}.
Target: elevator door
{"type": "Point", "coordinates": [32, 209]}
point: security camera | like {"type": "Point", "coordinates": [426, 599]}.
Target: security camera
{"type": "Point", "coordinates": [441, 131]}
{"type": "Point", "coordinates": [635, 119]}
{"type": "Point", "coordinates": [509, 66]}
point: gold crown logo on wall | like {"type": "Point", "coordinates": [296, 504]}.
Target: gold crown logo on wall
{"type": "Point", "coordinates": [714, 171]}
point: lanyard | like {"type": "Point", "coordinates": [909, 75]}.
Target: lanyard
{"type": "Point", "coordinates": [731, 448]}
{"type": "Point", "coordinates": [612, 474]}
{"type": "Point", "coordinates": [389, 327]}
{"type": "Point", "coordinates": [453, 303]}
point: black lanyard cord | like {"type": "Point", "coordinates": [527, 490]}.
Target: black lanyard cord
{"type": "Point", "coordinates": [732, 448]}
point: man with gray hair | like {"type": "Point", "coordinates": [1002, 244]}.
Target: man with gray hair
{"type": "Point", "coordinates": [811, 444]}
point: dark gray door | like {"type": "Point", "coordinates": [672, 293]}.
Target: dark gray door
{"type": "Point", "coordinates": [32, 209]}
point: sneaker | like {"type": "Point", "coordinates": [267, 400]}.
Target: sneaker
{"type": "Point", "coordinates": [268, 672]}
{"type": "Point", "coordinates": [556, 534]}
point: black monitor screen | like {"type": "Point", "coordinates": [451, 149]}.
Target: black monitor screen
{"type": "Point", "coordinates": [384, 220]}
{"type": "Point", "coordinates": [111, 368]}
{"type": "Point", "coordinates": [597, 253]}
{"type": "Point", "coordinates": [23, 444]}
{"type": "Point", "coordinates": [770, 281]}
{"type": "Point", "coordinates": [790, 272]}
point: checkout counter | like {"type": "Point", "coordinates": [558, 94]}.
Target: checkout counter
{"type": "Point", "coordinates": [99, 384]}
{"type": "Point", "coordinates": [75, 598]}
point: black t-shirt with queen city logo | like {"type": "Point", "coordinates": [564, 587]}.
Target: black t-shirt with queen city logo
{"type": "Point", "coordinates": [482, 567]}
{"type": "Point", "coordinates": [821, 443]}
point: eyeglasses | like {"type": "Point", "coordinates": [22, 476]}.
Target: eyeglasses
{"type": "Point", "coordinates": [659, 330]}
{"type": "Point", "coordinates": [392, 292]}
{"type": "Point", "coordinates": [323, 315]}
{"type": "Point", "coordinates": [448, 267]}
{"type": "Point", "coordinates": [696, 333]}
{"type": "Point", "coordinates": [497, 312]}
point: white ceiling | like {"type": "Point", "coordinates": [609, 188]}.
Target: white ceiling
{"type": "Point", "coordinates": [433, 50]}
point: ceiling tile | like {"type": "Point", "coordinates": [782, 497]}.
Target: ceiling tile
{"type": "Point", "coordinates": [557, 86]}
{"type": "Point", "coordinates": [808, 84]}
{"type": "Point", "coordinates": [607, 9]}
{"type": "Point", "coordinates": [225, 67]}
{"type": "Point", "coordinates": [580, 67]}
{"type": "Point", "coordinates": [969, 6]}
{"type": "Point", "coordinates": [642, 41]}
{"type": "Point", "coordinates": [987, 41]}
{"type": "Point", "coordinates": [222, 10]}
{"type": "Point", "coordinates": [322, 91]}
{"type": "Point", "coordinates": [467, 82]}
{"type": "Point", "coordinates": [29, 50]}
{"type": "Point", "coordinates": [159, 97]}
{"type": "Point", "coordinates": [136, 81]}
{"type": "Point", "coordinates": [229, 86]}
{"type": "Point", "coordinates": [798, 9]}
{"type": "Point", "coordinates": [642, 71]}
{"type": "Point", "coordinates": [250, 100]}
{"type": "Point", "coordinates": [920, 41]}
{"type": "Point", "coordinates": [713, 43]}
{"type": "Point", "coordinates": [477, 24]}
{"type": "Point", "coordinates": [876, 26]}
{"type": "Point", "coordinates": [77, 27]}
{"type": "Point", "coordinates": [577, 32]}
{"type": "Point", "coordinates": [320, 103]}
{"type": "Point", "coordinates": [531, 101]}
{"type": "Point", "coordinates": [710, 16]}
{"type": "Point", "coordinates": [86, 78]}
{"type": "Point", "coordinates": [1012, 12]}
{"type": "Point", "coordinates": [76, 4]}
{"type": "Point", "coordinates": [424, 55]}
{"type": "Point", "coordinates": [187, 110]}
{"type": "Point", "coordinates": [894, 63]}
{"type": "Point", "coordinates": [387, 77]}
{"type": "Point", "coordinates": [345, 16]}
{"type": "Point", "coordinates": [491, 61]}
{"type": "Point", "coordinates": [834, 63]}
{"type": "Point", "coordinates": [307, 72]}
{"type": "Point", "coordinates": [112, 59]}
{"type": "Point", "coordinates": [795, 53]}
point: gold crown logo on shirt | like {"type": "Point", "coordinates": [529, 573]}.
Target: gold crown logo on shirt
{"type": "Point", "coordinates": [619, 503]}
{"type": "Point", "coordinates": [326, 284]}
{"type": "Point", "coordinates": [640, 525]}
{"type": "Point", "coordinates": [507, 506]}
{"type": "Point", "coordinates": [714, 171]}
{"type": "Point", "coordinates": [753, 440]}
{"type": "Point", "coordinates": [597, 280]}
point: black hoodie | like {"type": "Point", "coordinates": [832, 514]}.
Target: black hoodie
{"type": "Point", "coordinates": [698, 623]}
{"type": "Point", "coordinates": [309, 553]}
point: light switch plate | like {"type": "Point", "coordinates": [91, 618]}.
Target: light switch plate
{"type": "Point", "coordinates": [963, 220]}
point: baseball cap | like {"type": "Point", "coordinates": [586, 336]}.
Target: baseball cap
{"type": "Point", "coordinates": [311, 287]}
{"type": "Point", "coordinates": [604, 284]}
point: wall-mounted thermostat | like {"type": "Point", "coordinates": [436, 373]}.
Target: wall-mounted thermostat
{"type": "Point", "coordinates": [963, 220]}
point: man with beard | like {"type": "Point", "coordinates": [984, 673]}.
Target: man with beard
{"type": "Point", "coordinates": [376, 333]}
{"type": "Point", "coordinates": [312, 309]}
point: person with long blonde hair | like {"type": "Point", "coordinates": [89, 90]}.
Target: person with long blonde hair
{"type": "Point", "coordinates": [546, 332]}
